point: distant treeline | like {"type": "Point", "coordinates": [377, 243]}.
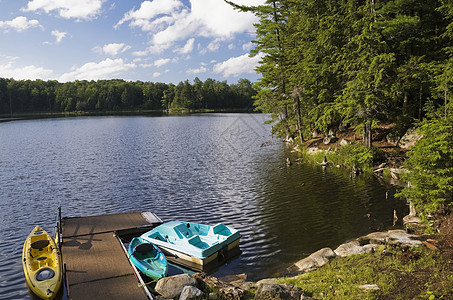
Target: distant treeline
{"type": "Point", "coordinates": [28, 96]}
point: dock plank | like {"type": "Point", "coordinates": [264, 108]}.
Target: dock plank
{"type": "Point", "coordinates": [118, 288]}
{"type": "Point", "coordinates": [103, 223]}
{"type": "Point", "coordinates": [94, 257]}
{"type": "Point", "coordinates": [97, 266]}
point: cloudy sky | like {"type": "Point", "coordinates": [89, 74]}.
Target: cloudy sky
{"type": "Point", "coordinates": [157, 40]}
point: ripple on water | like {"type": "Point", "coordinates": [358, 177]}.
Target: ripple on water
{"type": "Point", "coordinates": [207, 169]}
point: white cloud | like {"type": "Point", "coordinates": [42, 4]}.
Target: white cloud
{"type": "Point", "coordinates": [8, 70]}
{"type": "Point", "coordinates": [19, 24]}
{"type": "Point", "coordinates": [214, 45]}
{"type": "Point", "coordinates": [171, 21]}
{"type": "Point", "coordinates": [143, 16]}
{"type": "Point", "coordinates": [156, 74]}
{"type": "Point", "coordinates": [247, 46]}
{"type": "Point", "coordinates": [106, 69]}
{"type": "Point", "coordinates": [188, 47]}
{"type": "Point", "coordinates": [140, 53]}
{"type": "Point", "coordinates": [197, 71]}
{"type": "Point", "coordinates": [238, 65]}
{"type": "Point", "coordinates": [58, 36]}
{"type": "Point", "coordinates": [76, 9]}
{"type": "Point", "coordinates": [161, 62]}
{"type": "Point", "coordinates": [154, 49]}
{"type": "Point", "coordinates": [112, 49]}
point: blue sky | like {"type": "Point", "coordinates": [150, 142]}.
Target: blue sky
{"type": "Point", "coordinates": [159, 40]}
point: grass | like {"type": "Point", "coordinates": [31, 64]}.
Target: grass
{"type": "Point", "coordinates": [399, 273]}
{"type": "Point", "coordinates": [345, 156]}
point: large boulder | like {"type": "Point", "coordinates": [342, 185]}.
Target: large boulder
{"type": "Point", "coordinates": [401, 237]}
{"type": "Point", "coordinates": [190, 292]}
{"type": "Point", "coordinates": [315, 260]}
{"type": "Point", "coordinates": [267, 291]}
{"type": "Point", "coordinates": [171, 287]}
{"type": "Point", "coordinates": [350, 248]}
{"type": "Point", "coordinates": [370, 242]}
{"type": "Point", "coordinates": [225, 290]}
{"type": "Point", "coordinates": [409, 139]}
{"type": "Point", "coordinates": [378, 238]}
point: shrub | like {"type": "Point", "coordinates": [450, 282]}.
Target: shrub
{"type": "Point", "coordinates": [430, 165]}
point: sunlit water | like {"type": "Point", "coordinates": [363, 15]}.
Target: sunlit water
{"type": "Point", "coordinates": [205, 168]}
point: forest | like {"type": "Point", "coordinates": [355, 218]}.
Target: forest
{"type": "Point", "coordinates": [353, 62]}
{"type": "Point", "coordinates": [358, 64]}
{"type": "Point", "coordinates": [38, 96]}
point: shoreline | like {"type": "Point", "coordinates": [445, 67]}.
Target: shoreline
{"type": "Point", "coordinates": [237, 287]}
{"type": "Point", "coordinates": [171, 112]}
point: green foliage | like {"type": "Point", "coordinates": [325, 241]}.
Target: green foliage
{"type": "Point", "coordinates": [329, 62]}
{"type": "Point", "coordinates": [355, 155]}
{"type": "Point", "coordinates": [430, 166]}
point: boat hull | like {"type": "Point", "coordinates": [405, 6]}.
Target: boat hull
{"type": "Point", "coordinates": [41, 261]}
{"type": "Point", "coordinates": [175, 255]}
{"type": "Point", "coordinates": [148, 258]}
{"type": "Point", "coordinates": [195, 243]}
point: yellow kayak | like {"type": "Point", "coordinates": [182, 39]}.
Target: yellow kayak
{"type": "Point", "coordinates": [42, 264]}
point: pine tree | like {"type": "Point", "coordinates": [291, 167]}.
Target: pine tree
{"type": "Point", "coordinates": [367, 63]}
{"type": "Point", "coordinates": [272, 34]}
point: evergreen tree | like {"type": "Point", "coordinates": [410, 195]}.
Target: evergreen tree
{"type": "Point", "coordinates": [272, 35]}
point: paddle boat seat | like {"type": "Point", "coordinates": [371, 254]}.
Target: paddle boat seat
{"type": "Point", "coordinates": [197, 242]}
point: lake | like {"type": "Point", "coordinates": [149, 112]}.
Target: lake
{"type": "Point", "coordinates": [205, 168]}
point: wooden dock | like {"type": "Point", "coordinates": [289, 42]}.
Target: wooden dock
{"type": "Point", "coordinates": [96, 264]}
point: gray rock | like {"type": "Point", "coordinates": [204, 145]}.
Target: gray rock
{"type": "Point", "coordinates": [171, 287]}
{"type": "Point", "coordinates": [285, 291]}
{"type": "Point", "coordinates": [224, 290]}
{"type": "Point", "coordinates": [370, 248]}
{"type": "Point", "coordinates": [369, 286]}
{"type": "Point", "coordinates": [374, 238]}
{"type": "Point", "coordinates": [344, 142]}
{"type": "Point", "coordinates": [190, 292]}
{"type": "Point", "coordinates": [350, 248]}
{"type": "Point", "coordinates": [315, 260]}
{"type": "Point", "coordinates": [401, 237]}
{"type": "Point", "coordinates": [266, 281]}
{"type": "Point", "coordinates": [329, 139]}
{"type": "Point", "coordinates": [409, 139]}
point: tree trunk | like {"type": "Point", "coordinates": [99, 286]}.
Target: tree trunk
{"type": "Point", "coordinates": [295, 94]}
{"type": "Point", "coordinates": [299, 120]}
{"type": "Point", "coordinates": [367, 137]}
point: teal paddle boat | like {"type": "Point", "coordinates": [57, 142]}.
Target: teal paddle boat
{"type": "Point", "coordinates": [193, 242]}
{"type": "Point", "coordinates": [148, 258]}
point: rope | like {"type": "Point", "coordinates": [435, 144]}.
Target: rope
{"type": "Point", "coordinates": [143, 284]}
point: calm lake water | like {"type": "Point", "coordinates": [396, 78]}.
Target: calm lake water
{"type": "Point", "coordinates": [205, 168]}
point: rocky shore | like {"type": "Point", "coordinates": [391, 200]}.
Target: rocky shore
{"type": "Point", "coordinates": [200, 286]}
